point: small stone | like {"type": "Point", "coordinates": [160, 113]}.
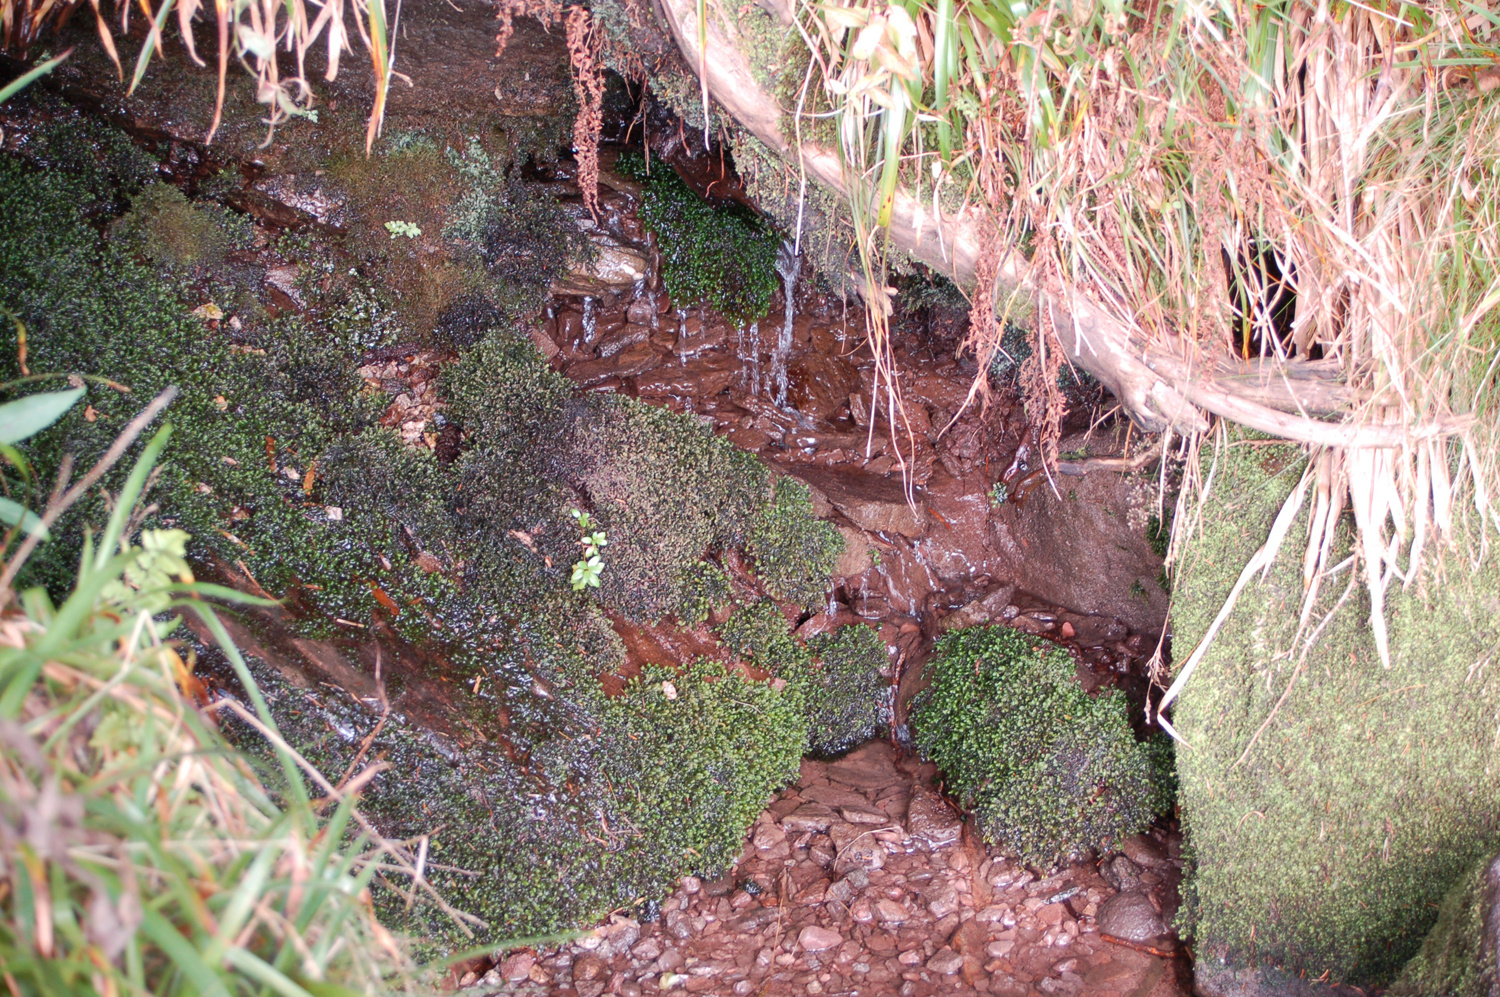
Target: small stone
{"type": "Point", "coordinates": [941, 898]}
{"type": "Point", "coordinates": [816, 939]}
{"type": "Point", "coordinates": [767, 835]}
{"type": "Point", "coordinates": [854, 845]}
{"type": "Point", "coordinates": [692, 885]}
{"type": "Point", "coordinates": [517, 967]}
{"type": "Point", "coordinates": [1142, 849]}
{"type": "Point", "coordinates": [808, 817]}
{"type": "Point", "coordinates": [630, 989]}
{"type": "Point", "coordinates": [945, 961]}
{"type": "Point", "coordinates": [863, 813]}
{"type": "Point", "coordinates": [890, 911]}
{"type": "Point", "coordinates": [910, 957]}
{"type": "Point", "coordinates": [1051, 914]}
{"type": "Point", "coordinates": [929, 818]}
{"type": "Point", "coordinates": [648, 950]}
{"type": "Point", "coordinates": [1000, 949]}
{"type": "Point", "coordinates": [1065, 966]}
{"type": "Point", "coordinates": [840, 892]}
{"type": "Point", "coordinates": [588, 967]}
{"type": "Point", "coordinates": [813, 894]}
{"type": "Point", "coordinates": [1132, 917]}
{"type": "Point", "coordinates": [1121, 873]}
{"type": "Point", "coordinates": [862, 911]}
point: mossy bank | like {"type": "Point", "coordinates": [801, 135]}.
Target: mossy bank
{"type": "Point", "coordinates": [549, 802]}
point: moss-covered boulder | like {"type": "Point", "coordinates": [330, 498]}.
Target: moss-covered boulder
{"type": "Point", "coordinates": [1047, 770]}
{"type": "Point", "coordinates": [1328, 845]}
{"type": "Point", "coordinates": [840, 679]}
{"type": "Point", "coordinates": [1459, 956]}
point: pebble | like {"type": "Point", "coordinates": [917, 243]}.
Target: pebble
{"type": "Point", "coordinates": [816, 939]}
{"type": "Point", "coordinates": [1131, 916]}
{"type": "Point", "coordinates": [945, 961]}
{"type": "Point", "coordinates": [908, 913]}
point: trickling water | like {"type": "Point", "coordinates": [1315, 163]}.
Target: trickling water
{"type": "Point", "coordinates": [787, 265]}
{"type": "Point", "coordinates": [755, 359]}
{"type": "Point", "coordinates": [590, 320]}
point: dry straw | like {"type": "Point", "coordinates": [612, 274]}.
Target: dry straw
{"type": "Point", "coordinates": [1191, 168]}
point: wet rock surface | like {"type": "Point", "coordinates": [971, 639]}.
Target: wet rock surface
{"type": "Point", "coordinates": [861, 879]}
{"type": "Point", "coordinates": [948, 519]}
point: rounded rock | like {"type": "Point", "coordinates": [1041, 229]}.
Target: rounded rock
{"type": "Point", "coordinates": [816, 939]}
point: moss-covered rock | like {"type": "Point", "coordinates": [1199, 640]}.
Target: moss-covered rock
{"type": "Point", "coordinates": [548, 803]}
{"type": "Point", "coordinates": [1329, 848]}
{"type": "Point", "coordinates": [1048, 771]}
{"type": "Point", "coordinates": [838, 678]}
{"type": "Point", "coordinates": [723, 257]}
{"type": "Point", "coordinates": [794, 552]}
{"type": "Point", "coordinates": [1458, 957]}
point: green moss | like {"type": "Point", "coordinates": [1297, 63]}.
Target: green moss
{"type": "Point", "coordinates": [794, 552]}
{"type": "Point", "coordinates": [846, 694]}
{"type": "Point", "coordinates": [1455, 960]}
{"type": "Point", "coordinates": [177, 235]}
{"type": "Point", "coordinates": [1048, 771]}
{"type": "Point", "coordinates": [665, 488]}
{"type": "Point", "coordinates": [608, 806]}
{"type": "Point", "coordinates": [838, 678]}
{"type": "Point", "coordinates": [722, 257]}
{"type": "Point", "coordinates": [549, 803]}
{"type": "Point", "coordinates": [1370, 792]}
{"type": "Point", "coordinates": [515, 231]}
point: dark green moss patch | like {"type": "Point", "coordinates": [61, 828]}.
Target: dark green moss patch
{"type": "Point", "coordinates": [1047, 770]}
{"type": "Point", "coordinates": [722, 257]}
{"type": "Point", "coordinates": [838, 678]}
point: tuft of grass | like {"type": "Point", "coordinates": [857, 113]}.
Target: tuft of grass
{"type": "Point", "coordinates": [139, 853]}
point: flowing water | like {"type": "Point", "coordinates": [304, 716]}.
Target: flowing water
{"type": "Point", "coordinates": [787, 265]}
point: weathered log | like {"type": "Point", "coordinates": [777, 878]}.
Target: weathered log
{"type": "Point", "coordinates": [1160, 385]}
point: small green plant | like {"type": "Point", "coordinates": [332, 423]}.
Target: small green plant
{"type": "Point", "coordinates": [999, 494]}
{"type": "Point", "coordinates": [399, 228]}
{"type": "Point", "coordinates": [1047, 770]}
{"type": "Point", "coordinates": [587, 571]}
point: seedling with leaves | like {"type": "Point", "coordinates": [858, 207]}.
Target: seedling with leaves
{"type": "Point", "coordinates": [587, 571]}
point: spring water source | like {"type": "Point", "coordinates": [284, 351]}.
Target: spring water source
{"type": "Point", "coordinates": [787, 265]}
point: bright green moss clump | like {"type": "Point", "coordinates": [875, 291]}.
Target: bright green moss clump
{"type": "Point", "coordinates": [724, 257]}
{"type": "Point", "coordinates": [794, 552]}
{"type": "Point", "coordinates": [1047, 770]}
{"type": "Point", "coordinates": [1330, 847]}
{"type": "Point", "coordinates": [838, 677]}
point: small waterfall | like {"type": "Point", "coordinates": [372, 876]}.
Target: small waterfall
{"type": "Point", "coordinates": [787, 265]}
{"type": "Point", "coordinates": [590, 320]}
{"type": "Point", "coordinates": [755, 359]}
